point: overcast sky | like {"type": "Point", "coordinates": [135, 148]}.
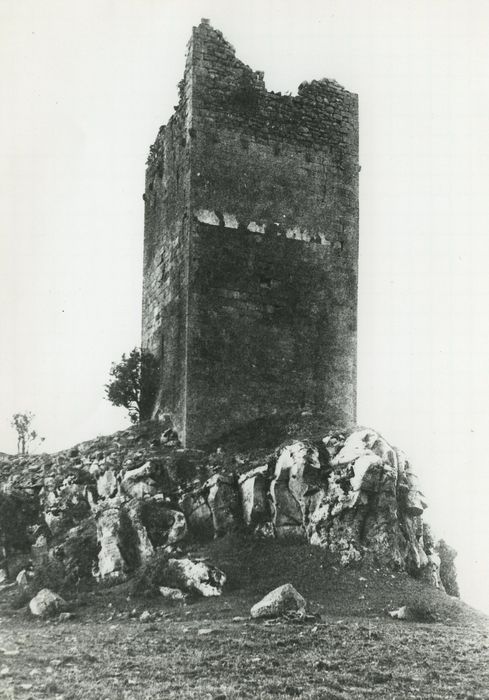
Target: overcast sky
{"type": "Point", "coordinates": [84, 87]}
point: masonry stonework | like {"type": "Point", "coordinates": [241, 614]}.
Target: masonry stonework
{"type": "Point", "coordinates": [251, 248]}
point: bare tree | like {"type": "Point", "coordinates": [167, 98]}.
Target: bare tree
{"type": "Point", "coordinates": [22, 422]}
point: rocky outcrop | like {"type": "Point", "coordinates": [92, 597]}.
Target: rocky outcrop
{"type": "Point", "coordinates": [372, 506]}
{"type": "Point", "coordinates": [255, 503]}
{"type": "Point", "coordinates": [448, 571]}
{"type": "Point", "coordinates": [138, 492]}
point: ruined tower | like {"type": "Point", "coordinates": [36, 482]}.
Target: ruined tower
{"type": "Point", "coordinates": [251, 248]}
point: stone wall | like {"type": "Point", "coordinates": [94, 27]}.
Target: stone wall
{"type": "Point", "coordinates": [166, 242]}
{"type": "Point", "coordinates": [268, 225]}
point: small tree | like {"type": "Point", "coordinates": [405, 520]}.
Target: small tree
{"type": "Point", "coordinates": [133, 384]}
{"type": "Point", "coordinates": [21, 422]}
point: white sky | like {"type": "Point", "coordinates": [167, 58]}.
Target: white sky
{"type": "Point", "coordinates": [84, 87]}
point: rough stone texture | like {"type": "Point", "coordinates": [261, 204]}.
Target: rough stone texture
{"type": "Point", "coordinates": [448, 571]}
{"type": "Point", "coordinates": [222, 499]}
{"type": "Point", "coordinates": [350, 492]}
{"type": "Point", "coordinates": [281, 600]}
{"type": "Point", "coordinates": [22, 580]}
{"type": "Point", "coordinates": [110, 559]}
{"type": "Point", "coordinates": [173, 594]}
{"type": "Point", "coordinates": [195, 577]}
{"type": "Point", "coordinates": [46, 604]}
{"type": "Point", "coordinates": [251, 246]}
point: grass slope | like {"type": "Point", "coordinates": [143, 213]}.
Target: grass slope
{"type": "Point", "coordinates": [352, 649]}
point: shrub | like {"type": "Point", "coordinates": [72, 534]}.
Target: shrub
{"type": "Point", "coordinates": [79, 551]}
{"type": "Point", "coordinates": [51, 574]}
{"type": "Point", "coordinates": [133, 384]}
{"type": "Point", "coordinates": [151, 575]}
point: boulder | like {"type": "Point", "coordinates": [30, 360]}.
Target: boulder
{"type": "Point", "coordinates": [195, 577]}
{"type": "Point", "coordinates": [174, 594]}
{"type": "Point", "coordinates": [282, 600]}
{"type": "Point", "coordinates": [414, 613]}
{"type": "Point", "coordinates": [65, 616]}
{"type": "Point", "coordinates": [47, 604]}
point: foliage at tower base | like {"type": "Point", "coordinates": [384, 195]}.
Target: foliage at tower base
{"type": "Point", "coordinates": [104, 508]}
{"type": "Point", "coordinates": [133, 383]}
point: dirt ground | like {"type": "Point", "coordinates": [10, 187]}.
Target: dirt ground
{"type": "Point", "coordinates": [350, 648]}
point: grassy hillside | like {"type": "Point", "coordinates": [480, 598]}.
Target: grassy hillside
{"type": "Point", "coordinates": [350, 648]}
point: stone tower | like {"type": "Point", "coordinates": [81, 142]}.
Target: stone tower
{"type": "Point", "coordinates": [251, 248]}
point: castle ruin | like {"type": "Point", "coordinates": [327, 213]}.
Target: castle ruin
{"type": "Point", "coordinates": [251, 248]}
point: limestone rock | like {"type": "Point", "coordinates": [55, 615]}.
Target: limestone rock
{"type": "Point", "coordinates": [164, 525]}
{"type": "Point", "coordinates": [281, 600]}
{"type": "Point", "coordinates": [253, 487]}
{"type": "Point", "coordinates": [134, 511]}
{"type": "Point", "coordinates": [46, 604]}
{"type": "Point", "coordinates": [195, 577]}
{"type": "Point", "coordinates": [401, 613]}
{"type": "Point", "coordinates": [448, 572]}
{"type": "Point", "coordinates": [413, 613]}
{"type": "Point", "coordinates": [110, 559]}
{"type": "Point", "coordinates": [22, 580]}
{"type": "Point", "coordinates": [40, 550]}
{"type": "Point", "coordinates": [287, 518]}
{"type": "Point", "coordinates": [138, 483]}
{"type": "Point", "coordinates": [178, 527]}
{"type": "Point", "coordinates": [174, 594]}
{"type": "Point", "coordinates": [63, 502]}
{"type": "Point", "coordinates": [431, 571]}
{"type": "Point", "coordinates": [65, 616]}
{"type": "Point", "coordinates": [372, 504]}
{"type": "Point", "coordinates": [222, 501]}
{"type": "Point", "coordinates": [107, 484]}
{"type": "Point", "coordinates": [79, 550]}
{"type": "Point", "coordinates": [116, 500]}
{"type": "Point", "coordinates": [198, 515]}
{"type": "Point", "coordinates": [295, 489]}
